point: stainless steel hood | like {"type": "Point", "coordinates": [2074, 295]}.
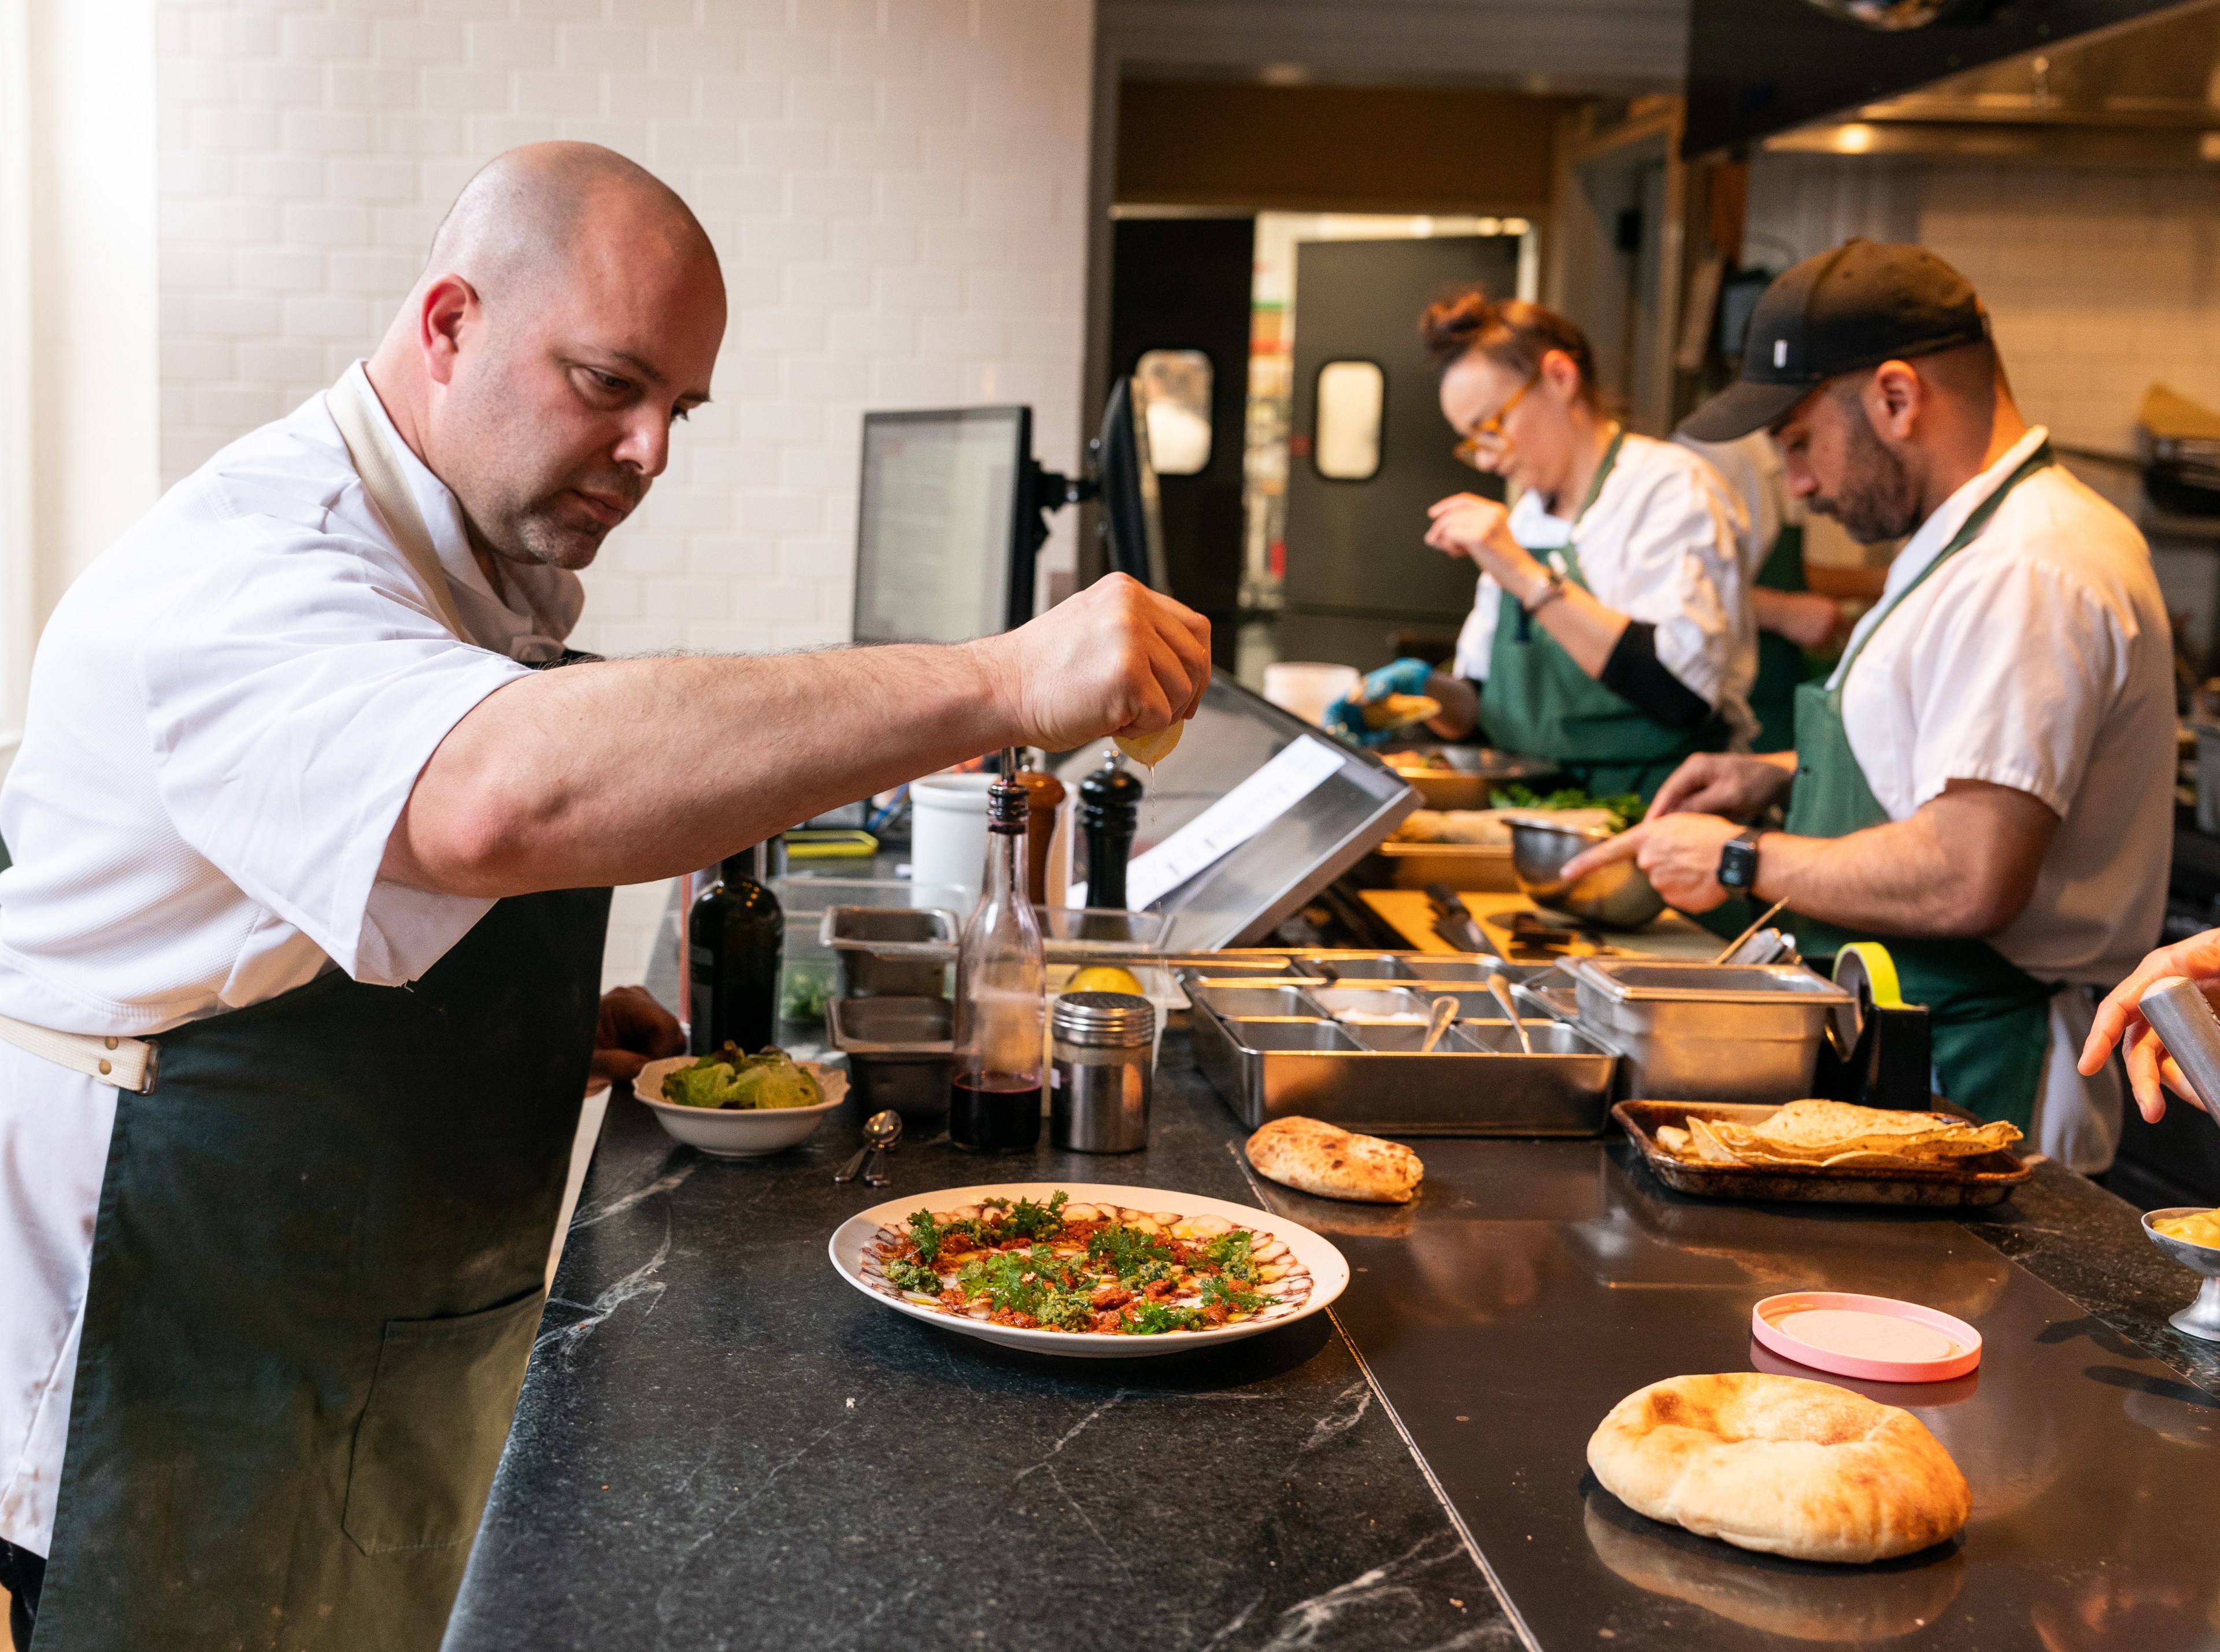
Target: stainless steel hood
{"type": "Point", "coordinates": [2144, 93]}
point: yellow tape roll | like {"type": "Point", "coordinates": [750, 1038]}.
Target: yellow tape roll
{"type": "Point", "coordinates": [1150, 749]}
{"type": "Point", "coordinates": [1878, 969]}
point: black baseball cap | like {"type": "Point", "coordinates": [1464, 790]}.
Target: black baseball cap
{"type": "Point", "coordinates": [1864, 303]}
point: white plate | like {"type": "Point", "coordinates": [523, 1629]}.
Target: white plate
{"type": "Point", "coordinates": [1329, 1268]}
{"type": "Point", "coordinates": [738, 1132]}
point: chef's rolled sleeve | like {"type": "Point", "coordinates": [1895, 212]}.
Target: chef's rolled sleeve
{"type": "Point", "coordinates": [291, 702]}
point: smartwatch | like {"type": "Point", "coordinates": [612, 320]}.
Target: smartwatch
{"type": "Point", "coordinates": [1738, 861]}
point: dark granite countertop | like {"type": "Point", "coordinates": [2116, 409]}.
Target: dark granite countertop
{"type": "Point", "coordinates": [722, 1444]}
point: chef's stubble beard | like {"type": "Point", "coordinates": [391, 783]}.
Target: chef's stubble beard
{"type": "Point", "coordinates": [1879, 500]}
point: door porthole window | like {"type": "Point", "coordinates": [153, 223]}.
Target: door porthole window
{"type": "Point", "coordinates": [1178, 383]}
{"type": "Point", "coordinates": [1352, 394]}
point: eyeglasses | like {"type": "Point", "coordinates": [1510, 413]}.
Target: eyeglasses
{"type": "Point", "coordinates": [1487, 434]}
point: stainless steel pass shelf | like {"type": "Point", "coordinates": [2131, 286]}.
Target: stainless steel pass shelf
{"type": "Point", "coordinates": [1335, 1038]}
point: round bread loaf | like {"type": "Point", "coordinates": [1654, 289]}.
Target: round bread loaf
{"type": "Point", "coordinates": [1781, 1464]}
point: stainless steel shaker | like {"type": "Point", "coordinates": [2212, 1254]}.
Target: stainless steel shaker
{"type": "Point", "coordinates": [1102, 1062]}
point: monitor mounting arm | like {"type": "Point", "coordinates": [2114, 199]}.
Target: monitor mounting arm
{"type": "Point", "coordinates": [1050, 491]}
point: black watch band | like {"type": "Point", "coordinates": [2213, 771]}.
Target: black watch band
{"type": "Point", "coordinates": [1738, 861]}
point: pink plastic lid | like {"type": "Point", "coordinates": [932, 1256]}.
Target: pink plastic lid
{"type": "Point", "coordinates": [1875, 1337]}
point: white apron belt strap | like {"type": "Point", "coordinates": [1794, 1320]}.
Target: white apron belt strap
{"type": "Point", "coordinates": [388, 495]}
{"type": "Point", "coordinates": [127, 1063]}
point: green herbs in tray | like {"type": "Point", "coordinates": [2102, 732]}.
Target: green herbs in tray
{"type": "Point", "coordinates": [1627, 806]}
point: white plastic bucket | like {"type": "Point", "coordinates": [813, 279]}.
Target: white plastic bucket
{"type": "Point", "coordinates": [1307, 688]}
{"type": "Point", "coordinates": [948, 831]}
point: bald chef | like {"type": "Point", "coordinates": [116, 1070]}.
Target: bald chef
{"type": "Point", "coordinates": [1986, 783]}
{"type": "Point", "coordinates": [301, 942]}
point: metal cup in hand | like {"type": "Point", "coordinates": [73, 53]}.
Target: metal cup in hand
{"type": "Point", "coordinates": [2181, 1016]}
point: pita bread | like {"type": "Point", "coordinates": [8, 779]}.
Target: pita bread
{"type": "Point", "coordinates": [1781, 1465]}
{"type": "Point", "coordinates": [1400, 710]}
{"type": "Point", "coordinates": [1316, 1158]}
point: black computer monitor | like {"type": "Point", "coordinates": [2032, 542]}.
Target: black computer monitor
{"type": "Point", "coordinates": [1132, 525]}
{"type": "Point", "coordinates": [946, 532]}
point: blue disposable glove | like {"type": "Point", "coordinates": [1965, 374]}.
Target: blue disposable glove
{"type": "Point", "coordinates": [1345, 718]}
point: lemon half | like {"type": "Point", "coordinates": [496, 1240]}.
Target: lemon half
{"type": "Point", "coordinates": [1150, 749]}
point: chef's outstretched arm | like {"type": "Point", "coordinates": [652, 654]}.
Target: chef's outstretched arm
{"type": "Point", "coordinates": [2150, 1070]}
{"type": "Point", "coordinates": [1964, 863]}
{"type": "Point", "coordinates": [641, 768]}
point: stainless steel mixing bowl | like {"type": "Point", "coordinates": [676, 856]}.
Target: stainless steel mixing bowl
{"type": "Point", "coordinates": [1617, 897]}
{"type": "Point", "coordinates": [2202, 1317]}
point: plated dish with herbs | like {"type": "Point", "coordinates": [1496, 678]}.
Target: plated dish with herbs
{"type": "Point", "coordinates": [1086, 1269]}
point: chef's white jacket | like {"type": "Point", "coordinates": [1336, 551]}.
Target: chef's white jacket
{"type": "Point", "coordinates": [1661, 544]}
{"type": "Point", "coordinates": [2039, 657]}
{"type": "Point", "coordinates": [227, 713]}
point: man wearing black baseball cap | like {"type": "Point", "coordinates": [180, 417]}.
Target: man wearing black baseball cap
{"type": "Point", "coordinates": [1985, 783]}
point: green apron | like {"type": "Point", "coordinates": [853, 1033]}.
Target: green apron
{"type": "Point", "coordinates": [1537, 699]}
{"type": "Point", "coordinates": [317, 1273]}
{"type": "Point", "coordinates": [1782, 667]}
{"type": "Point", "coordinates": [1990, 1019]}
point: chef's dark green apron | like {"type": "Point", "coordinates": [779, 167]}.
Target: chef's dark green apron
{"type": "Point", "coordinates": [1782, 667]}
{"type": "Point", "coordinates": [1991, 1019]}
{"type": "Point", "coordinates": [316, 1276]}
{"type": "Point", "coordinates": [1537, 699]}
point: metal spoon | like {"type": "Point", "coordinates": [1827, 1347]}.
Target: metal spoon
{"type": "Point", "coordinates": [847, 1172]}
{"type": "Point", "coordinates": [881, 1131]}
{"type": "Point", "coordinates": [1510, 1008]}
{"type": "Point", "coordinates": [1444, 1011]}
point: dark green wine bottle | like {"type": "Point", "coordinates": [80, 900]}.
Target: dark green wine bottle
{"type": "Point", "coordinates": [735, 937]}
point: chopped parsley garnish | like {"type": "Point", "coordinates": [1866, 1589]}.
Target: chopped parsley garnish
{"type": "Point", "coordinates": [1219, 1288]}
{"type": "Point", "coordinates": [1018, 1281]}
{"type": "Point", "coordinates": [1128, 1251]}
{"type": "Point", "coordinates": [906, 1275]}
{"type": "Point", "coordinates": [1231, 1254]}
{"type": "Point", "coordinates": [1155, 1318]}
{"type": "Point", "coordinates": [929, 1234]}
{"type": "Point", "coordinates": [1026, 1220]}
{"type": "Point", "coordinates": [1062, 1310]}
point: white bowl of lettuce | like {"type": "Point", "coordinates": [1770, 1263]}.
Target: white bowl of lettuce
{"type": "Point", "coordinates": [744, 1111]}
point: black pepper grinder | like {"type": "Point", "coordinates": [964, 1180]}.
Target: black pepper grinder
{"type": "Point", "coordinates": [1109, 809]}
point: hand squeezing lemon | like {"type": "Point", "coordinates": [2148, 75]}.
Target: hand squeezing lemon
{"type": "Point", "coordinates": [1150, 749]}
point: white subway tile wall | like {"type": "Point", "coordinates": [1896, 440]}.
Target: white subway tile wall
{"type": "Point", "coordinates": [897, 189]}
{"type": "Point", "coordinates": [2100, 280]}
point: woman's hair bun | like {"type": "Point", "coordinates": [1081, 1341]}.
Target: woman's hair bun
{"type": "Point", "coordinates": [1509, 332]}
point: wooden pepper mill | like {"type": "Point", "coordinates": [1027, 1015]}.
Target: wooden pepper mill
{"type": "Point", "coordinates": [1043, 794]}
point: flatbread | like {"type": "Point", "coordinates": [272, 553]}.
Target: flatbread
{"type": "Point", "coordinates": [1823, 1130]}
{"type": "Point", "coordinates": [1400, 710]}
{"type": "Point", "coordinates": [1316, 1157]}
{"type": "Point", "coordinates": [1781, 1465]}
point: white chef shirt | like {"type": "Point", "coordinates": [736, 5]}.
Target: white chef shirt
{"type": "Point", "coordinates": [1752, 470]}
{"type": "Point", "coordinates": [1661, 544]}
{"type": "Point", "coordinates": [227, 713]}
{"type": "Point", "coordinates": [2040, 657]}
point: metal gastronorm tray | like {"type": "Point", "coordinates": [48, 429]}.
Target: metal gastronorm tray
{"type": "Point", "coordinates": [1274, 1052]}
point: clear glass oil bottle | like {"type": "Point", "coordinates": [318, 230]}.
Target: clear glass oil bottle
{"type": "Point", "coordinates": [1001, 989]}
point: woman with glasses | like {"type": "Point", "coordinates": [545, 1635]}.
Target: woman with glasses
{"type": "Point", "coordinates": [1611, 630]}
